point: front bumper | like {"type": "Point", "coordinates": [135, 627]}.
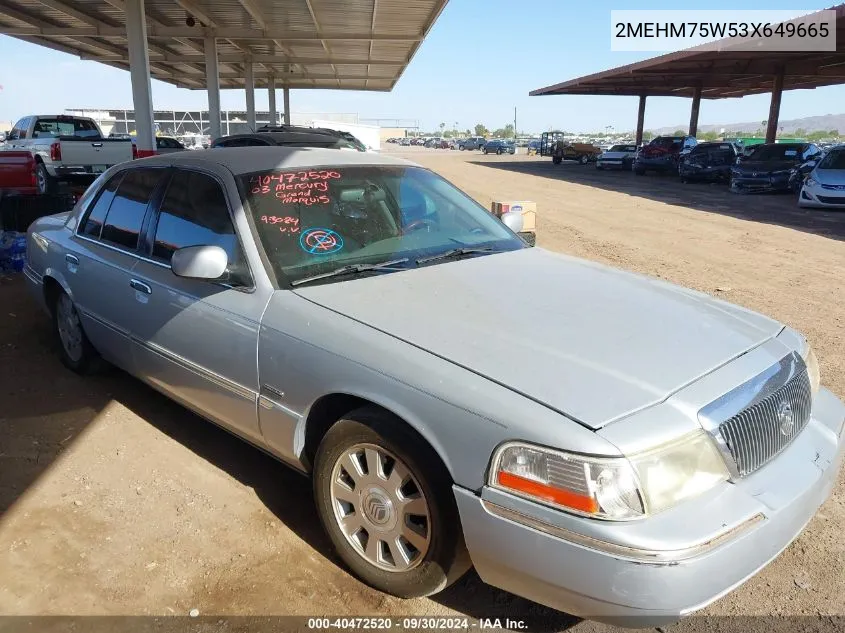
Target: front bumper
{"type": "Point", "coordinates": [760, 184]}
{"type": "Point", "coordinates": [614, 163]}
{"type": "Point", "coordinates": [707, 174]}
{"type": "Point", "coordinates": [656, 164]}
{"type": "Point", "coordinates": [544, 555]}
{"type": "Point", "coordinates": [821, 198]}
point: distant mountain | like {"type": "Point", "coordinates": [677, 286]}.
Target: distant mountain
{"type": "Point", "coordinates": [809, 124]}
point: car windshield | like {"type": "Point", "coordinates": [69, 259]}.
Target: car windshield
{"type": "Point", "coordinates": [775, 152]}
{"type": "Point", "coordinates": [834, 160]}
{"type": "Point", "coordinates": [622, 148]}
{"type": "Point", "coordinates": [666, 141]}
{"type": "Point", "coordinates": [313, 222]}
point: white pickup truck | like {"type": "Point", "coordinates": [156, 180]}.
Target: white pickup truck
{"type": "Point", "coordinates": [67, 149]}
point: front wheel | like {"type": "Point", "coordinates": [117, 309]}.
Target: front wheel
{"type": "Point", "coordinates": [484, 151]}
{"type": "Point", "coordinates": [583, 159]}
{"type": "Point", "coordinates": [498, 151]}
{"type": "Point", "coordinates": [386, 502]}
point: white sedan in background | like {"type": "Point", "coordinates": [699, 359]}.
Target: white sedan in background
{"type": "Point", "coordinates": [825, 186]}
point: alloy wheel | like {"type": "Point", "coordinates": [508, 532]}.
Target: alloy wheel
{"type": "Point", "coordinates": [380, 508]}
{"type": "Point", "coordinates": [70, 329]}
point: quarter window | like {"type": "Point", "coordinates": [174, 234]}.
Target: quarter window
{"type": "Point", "coordinates": [126, 214]}
{"type": "Point", "coordinates": [194, 213]}
{"type": "Point", "coordinates": [93, 222]}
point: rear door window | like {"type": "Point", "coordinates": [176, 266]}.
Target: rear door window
{"type": "Point", "coordinates": [92, 224]}
{"type": "Point", "coordinates": [126, 213]}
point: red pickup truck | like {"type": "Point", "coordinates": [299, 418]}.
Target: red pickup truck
{"type": "Point", "coordinates": [17, 173]}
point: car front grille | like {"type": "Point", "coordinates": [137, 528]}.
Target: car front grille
{"type": "Point", "coordinates": [758, 433]}
{"type": "Point", "coordinates": [831, 199]}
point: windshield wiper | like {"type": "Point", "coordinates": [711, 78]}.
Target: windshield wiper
{"type": "Point", "coordinates": [456, 253]}
{"type": "Point", "coordinates": [349, 270]}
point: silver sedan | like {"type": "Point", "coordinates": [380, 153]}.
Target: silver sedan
{"type": "Point", "coordinates": [601, 442]}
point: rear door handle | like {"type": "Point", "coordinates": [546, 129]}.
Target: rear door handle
{"type": "Point", "coordinates": [141, 286]}
{"type": "Point", "coordinates": [72, 262]}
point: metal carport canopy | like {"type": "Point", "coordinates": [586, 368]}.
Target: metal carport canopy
{"type": "Point", "coordinates": [214, 44]}
{"type": "Point", "coordinates": [708, 73]}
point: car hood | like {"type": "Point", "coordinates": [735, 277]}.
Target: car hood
{"type": "Point", "coordinates": [765, 167]}
{"type": "Point", "coordinates": [830, 176]}
{"type": "Point", "coordinates": [615, 154]}
{"type": "Point", "coordinates": [591, 342]}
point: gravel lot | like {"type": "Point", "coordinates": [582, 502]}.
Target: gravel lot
{"type": "Point", "coordinates": [115, 501]}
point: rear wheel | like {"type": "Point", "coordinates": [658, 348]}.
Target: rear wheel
{"type": "Point", "coordinates": [498, 151]}
{"type": "Point", "coordinates": [44, 182]}
{"type": "Point", "coordinates": [583, 159]}
{"type": "Point", "coordinates": [557, 160]}
{"type": "Point", "coordinates": [385, 500]}
{"type": "Point", "coordinates": [75, 350]}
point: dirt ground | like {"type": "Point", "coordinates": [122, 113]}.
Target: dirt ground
{"type": "Point", "coordinates": [115, 501]}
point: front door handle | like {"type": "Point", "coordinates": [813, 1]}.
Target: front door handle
{"type": "Point", "coordinates": [141, 286]}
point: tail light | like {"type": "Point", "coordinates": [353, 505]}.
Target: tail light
{"type": "Point", "coordinates": [134, 151]}
{"type": "Point", "coordinates": [56, 151]}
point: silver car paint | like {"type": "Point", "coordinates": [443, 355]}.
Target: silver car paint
{"type": "Point", "coordinates": [259, 361]}
{"type": "Point", "coordinates": [587, 360]}
{"type": "Point", "coordinates": [826, 177]}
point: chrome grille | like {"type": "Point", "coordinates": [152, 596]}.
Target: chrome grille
{"type": "Point", "coordinates": [758, 433]}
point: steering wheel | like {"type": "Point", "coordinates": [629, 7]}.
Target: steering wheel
{"type": "Point", "coordinates": [418, 224]}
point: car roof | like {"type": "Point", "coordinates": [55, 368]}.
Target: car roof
{"type": "Point", "coordinates": [244, 160]}
{"type": "Point", "coordinates": [306, 134]}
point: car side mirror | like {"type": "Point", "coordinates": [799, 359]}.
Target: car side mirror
{"type": "Point", "coordinates": [199, 262]}
{"type": "Point", "coordinates": [513, 221]}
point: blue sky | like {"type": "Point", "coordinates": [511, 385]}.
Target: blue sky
{"type": "Point", "coordinates": [480, 61]}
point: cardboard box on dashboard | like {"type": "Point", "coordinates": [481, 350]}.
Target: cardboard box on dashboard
{"type": "Point", "coordinates": [526, 208]}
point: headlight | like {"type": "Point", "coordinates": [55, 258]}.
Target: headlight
{"type": "Point", "coordinates": [812, 363]}
{"type": "Point", "coordinates": [618, 489]}
{"type": "Point", "coordinates": [810, 182]}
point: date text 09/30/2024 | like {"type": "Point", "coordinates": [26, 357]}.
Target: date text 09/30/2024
{"type": "Point", "coordinates": [415, 623]}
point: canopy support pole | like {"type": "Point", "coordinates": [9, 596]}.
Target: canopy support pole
{"type": "Point", "coordinates": [640, 120]}
{"type": "Point", "coordinates": [249, 89]}
{"type": "Point", "coordinates": [286, 94]}
{"type": "Point", "coordinates": [212, 83]}
{"type": "Point", "coordinates": [271, 100]}
{"type": "Point", "coordinates": [139, 71]}
{"type": "Point", "coordinates": [774, 108]}
{"type": "Point", "coordinates": [693, 115]}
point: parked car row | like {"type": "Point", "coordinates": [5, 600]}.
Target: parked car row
{"type": "Point", "coordinates": [815, 175]}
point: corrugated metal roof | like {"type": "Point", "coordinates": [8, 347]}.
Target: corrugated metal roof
{"type": "Point", "coordinates": [345, 44]}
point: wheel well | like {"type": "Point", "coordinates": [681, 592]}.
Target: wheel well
{"type": "Point", "coordinates": [38, 159]}
{"type": "Point", "coordinates": [331, 408]}
{"type": "Point", "coordinates": [52, 289]}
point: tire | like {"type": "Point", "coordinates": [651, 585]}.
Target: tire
{"type": "Point", "coordinates": [439, 555]}
{"type": "Point", "coordinates": [44, 182]}
{"type": "Point", "coordinates": [75, 350]}
{"type": "Point", "coordinates": [498, 151]}
{"type": "Point", "coordinates": [484, 151]}
{"type": "Point", "coordinates": [557, 160]}
{"type": "Point", "coordinates": [583, 159]}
